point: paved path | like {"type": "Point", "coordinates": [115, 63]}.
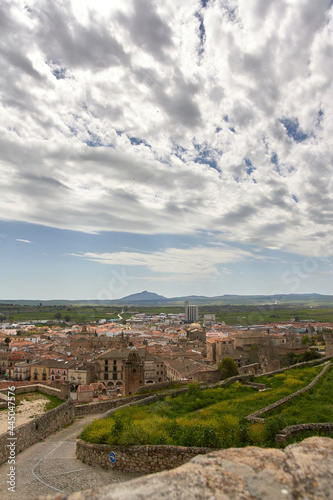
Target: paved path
{"type": "Point", "coordinates": [50, 467]}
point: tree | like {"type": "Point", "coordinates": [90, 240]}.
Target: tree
{"type": "Point", "coordinates": [254, 353]}
{"type": "Point", "coordinates": [228, 368]}
{"type": "Point", "coordinates": [305, 339]}
{"type": "Point", "coordinates": [67, 318]}
{"type": "Point", "coordinates": [58, 315]}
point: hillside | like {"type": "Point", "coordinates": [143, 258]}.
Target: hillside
{"type": "Point", "coordinates": [151, 298]}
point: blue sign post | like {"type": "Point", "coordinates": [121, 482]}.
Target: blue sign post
{"type": "Point", "coordinates": [113, 457]}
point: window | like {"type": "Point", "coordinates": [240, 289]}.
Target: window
{"type": "Point", "coordinates": [106, 376]}
{"type": "Point", "coordinates": [114, 376]}
{"type": "Point", "coordinates": [64, 372]}
{"type": "Point", "coordinates": [114, 361]}
{"type": "Point", "coordinates": [52, 371]}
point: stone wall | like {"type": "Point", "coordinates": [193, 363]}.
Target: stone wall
{"type": "Point", "coordinates": [255, 385]}
{"type": "Point", "coordinates": [146, 459]}
{"type": "Point", "coordinates": [158, 387]}
{"type": "Point", "coordinates": [45, 389]}
{"type": "Point", "coordinates": [38, 429]}
{"type": "Point", "coordinates": [284, 435]}
{"type": "Point", "coordinates": [254, 416]}
{"type": "Point", "coordinates": [104, 406]}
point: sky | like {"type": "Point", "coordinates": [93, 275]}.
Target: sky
{"type": "Point", "coordinates": [184, 148]}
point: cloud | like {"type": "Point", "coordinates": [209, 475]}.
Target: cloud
{"type": "Point", "coordinates": [23, 241]}
{"type": "Point", "coordinates": [151, 117]}
{"type": "Point", "coordinates": [195, 261]}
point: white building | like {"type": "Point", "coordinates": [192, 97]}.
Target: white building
{"type": "Point", "coordinates": [191, 313]}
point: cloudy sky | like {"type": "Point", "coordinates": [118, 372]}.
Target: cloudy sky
{"type": "Point", "coordinates": [177, 147]}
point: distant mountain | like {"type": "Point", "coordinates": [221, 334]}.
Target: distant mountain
{"type": "Point", "coordinates": [153, 299]}
{"type": "Point", "coordinates": [143, 297]}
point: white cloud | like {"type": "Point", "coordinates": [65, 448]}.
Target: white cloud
{"type": "Point", "coordinates": [195, 261]}
{"type": "Point", "coordinates": [23, 241]}
{"type": "Point", "coordinates": [129, 117]}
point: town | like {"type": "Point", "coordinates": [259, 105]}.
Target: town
{"type": "Point", "coordinates": [105, 359]}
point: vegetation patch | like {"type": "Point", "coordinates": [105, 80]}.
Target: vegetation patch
{"type": "Point", "coordinates": [211, 417]}
{"type": "Point", "coordinates": [314, 406]}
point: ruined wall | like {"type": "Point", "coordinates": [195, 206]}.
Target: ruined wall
{"type": "Point", "coordinates": [45, 389]}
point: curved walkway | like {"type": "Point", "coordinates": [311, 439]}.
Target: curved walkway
{"type": "Point", "coordinates": [51, 467]}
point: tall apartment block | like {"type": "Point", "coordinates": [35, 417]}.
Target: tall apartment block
{"type": "Point", "coordinates": [191, 313]}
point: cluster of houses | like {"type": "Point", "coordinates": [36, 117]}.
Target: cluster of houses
{"type": "Point", "coordinates": [105, 359]}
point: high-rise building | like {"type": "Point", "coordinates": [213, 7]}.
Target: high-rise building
{"type": "Point", "coordinates": [191, 313]}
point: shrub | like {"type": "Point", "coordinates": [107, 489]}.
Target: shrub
{"type": "Point", "coordinates": [257, 434]}
{"type": "Point", "coordinates": [193, 391]}
{"type": "Point", "coordinates": [98, 432]}
{"type": "Point", "coordinates": [228, 368]}
{"type": "Point", "coordinates": [229, 430]}
{"type": "Point", "coordinates": [273, 425]}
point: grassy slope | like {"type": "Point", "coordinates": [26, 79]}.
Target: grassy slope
{"type": "Point", "coordinates": [214, 417]}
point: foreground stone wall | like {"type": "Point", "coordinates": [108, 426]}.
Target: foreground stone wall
{"type": "Point", "coordinates": [38, 429]}
{"type": "Point", "coordinates": [300, 471]}
{"type": "Point", "coordinates": [146, 459]}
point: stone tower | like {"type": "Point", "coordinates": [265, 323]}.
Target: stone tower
{"type": "Point", "coordinates": [133, 373]}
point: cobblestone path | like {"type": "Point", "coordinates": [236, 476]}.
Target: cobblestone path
{"type": "Point", "coordinates": [50, 467]}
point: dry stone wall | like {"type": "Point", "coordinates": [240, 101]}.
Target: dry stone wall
{"type": "Point", "coordinates": [145, 459]}
{"type": "Point", "coordinates": [285, 434]}
{"type": "Point", "coordinates": [38, 429]}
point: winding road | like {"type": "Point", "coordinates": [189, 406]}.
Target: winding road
{"type": "Point", "coordinates": [51, 467]}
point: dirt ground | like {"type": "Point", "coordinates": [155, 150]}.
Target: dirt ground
{"type": "Point", "coordinates": [25, 411]}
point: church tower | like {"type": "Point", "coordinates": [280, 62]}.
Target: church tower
{"type": "Point", "coordinates": [133, 373]}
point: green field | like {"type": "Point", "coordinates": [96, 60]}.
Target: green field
{"type": "Point", "coordinates": [213, 417]}
{"type": "Point", "coordinates": [77, 314]}
{"type": "Point", "coordinates": [231, 315]}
